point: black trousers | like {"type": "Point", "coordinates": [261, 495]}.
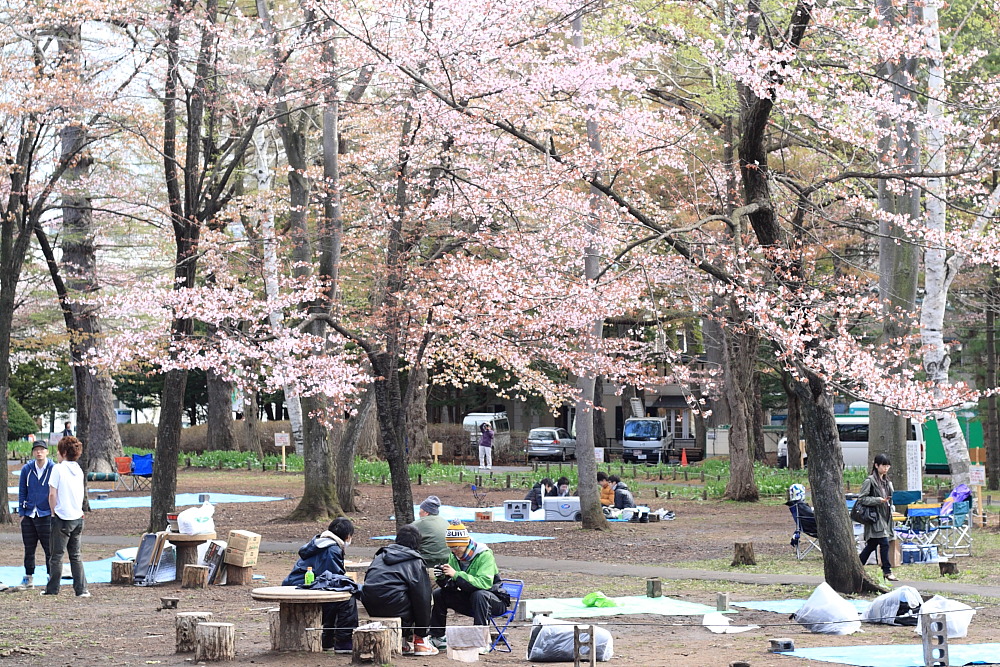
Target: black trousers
{"type": "Point", "coordinates": [340, 615]}
{"type": "Point", "coordinates": [882, 543]}
{"type": "Point", "coordinates": [35, 530]}
{"type": "Point", "coordinates": [65, 538]}
{"type": "Point", "coordinates": [480, 605]}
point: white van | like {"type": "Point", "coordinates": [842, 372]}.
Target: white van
{"type": "Point", "coordinates": [645, 439]}
{"type": "Point", "coordinates": [852, 430]}
{"type": "Point", "coordinates": [498, 420]}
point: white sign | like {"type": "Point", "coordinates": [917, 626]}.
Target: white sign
{"type": "Point", "coordinates": [282, 440]}
{"type": "Point", "coordinates": [599, 454]}
{"type": "Point", "coordinates": [914, 480]}
{"type": "Point", "coordinates": [638, 410]}
{"type": "Point", "coordinates": [977, 475]}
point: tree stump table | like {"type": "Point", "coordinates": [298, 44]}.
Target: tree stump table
{"type": "Point", "coordinates": [187, 549]}
{"type": "Point", "coordinates": [214, 642]}
{"type": "Point", "coordinates": [372, 644]}
{"type": "Point", "coordinates": [121, 572]}
{"type": "Point", "coordinates": [743, 554]}
{"type": "Point", "coordinates": [195, 576]}
{"type": "Point", "coordinates": [298, 609]}
{"type": "Point", "coordinates": [185, 624]}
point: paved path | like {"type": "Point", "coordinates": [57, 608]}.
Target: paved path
{"type": "Point", "coordinates": [597, 568]}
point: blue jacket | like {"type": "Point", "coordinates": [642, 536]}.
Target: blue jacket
{"type": "Point", "coordinates": [33, 491]}
{"type": "Point", "coordinates": [323, 553]}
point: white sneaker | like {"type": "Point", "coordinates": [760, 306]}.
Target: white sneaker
{"type": "Point", "coordinates": [26, 581]}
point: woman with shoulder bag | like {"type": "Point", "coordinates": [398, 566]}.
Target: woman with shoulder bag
{"type": "Point", "coordinates": [877, 492]}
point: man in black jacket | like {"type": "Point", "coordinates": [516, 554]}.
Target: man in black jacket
{"type": "Point", "coordinates": [397, 584]}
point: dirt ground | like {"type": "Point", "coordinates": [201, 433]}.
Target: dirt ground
{"type": "Point", "coordinates": [123, 625]}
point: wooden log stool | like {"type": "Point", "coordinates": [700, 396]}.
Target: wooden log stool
{"type": "Point", "coordinates": [214, 642]}
{"type": "Point", "coordinates": [372, 644]}
{"type": "Point", "coordinates": [743, 554]}
{"type": "Point", "coordinates": [194, 576]}
{"type": "Point", "coordinates": [121, 572]}
{"type": "Point", "coordinates": [185, 623]}
{"type": "Point", "coordinates": [395, 626]}
{"type": "Point", "coordinates": [238, 576]}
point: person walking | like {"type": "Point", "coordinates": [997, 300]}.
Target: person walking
{"type": "Point", "coordinates": [486, 446]}
{"type": "Point", "coordinates": [66, 500]}
{"type": "Point", "coordinates": [33, 506]}
{"type": "Point", "coordinates": [876, 491]}
{"type": "Point", "coordinates": [67, 431]}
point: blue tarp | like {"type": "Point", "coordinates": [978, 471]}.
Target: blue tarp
{"type": "Point", "coordinates": [791, 606]}
{"type": "Point", "coordinates": [488, 538]}
{"type": "Point", "coordinates": [181, 500]}
{"type": "Point", "coordinates": [899, 655]}
{"type": "Point", "coordinates": [97, 571]}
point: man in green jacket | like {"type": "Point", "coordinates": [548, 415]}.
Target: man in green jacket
{"type": "Point", "coordinates": [465, 583]}
{"type": "Point", "coordinates": [432, 527]}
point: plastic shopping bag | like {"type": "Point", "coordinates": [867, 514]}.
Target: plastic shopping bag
{"type": "Point", "coordinates": [598, 599]}
{"type": "Point", "coordinates": [197, 520]}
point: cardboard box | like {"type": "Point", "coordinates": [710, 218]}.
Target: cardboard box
{"type": "Point", "coordinates": [484, 516]}
{"type": "Point", "coordinates": [243, 540]}
{"type": "Point", "coordinates": [241, 558]}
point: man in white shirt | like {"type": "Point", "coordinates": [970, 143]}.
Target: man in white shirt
{"type": "Point", "coordinates": [66, 500]}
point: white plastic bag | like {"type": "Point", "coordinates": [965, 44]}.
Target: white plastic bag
{"type": "Point", "coordinates": [551, 640]}
{"type": "Point", "coordinates": [894, 607]}
{"type": "Point", "coordinates": [197, 520]}
{"type": "Point", "coordinates": [827, 613]}
{"type": "Point", "coordinates": [958, 616]}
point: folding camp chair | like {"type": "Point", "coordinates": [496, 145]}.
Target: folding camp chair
{"type": "Point", "coordinates": [123, 466]}
{"type": "Point", "coordinates": [953, 536]}
{"type": "Point", "coordinates": [514, 588]}
{"type": "Point", "coordinates": [805, 529]}
{"type": "Point", "coordinates": [142, 470]}
{"type": "Point", "coordinates": [920, 526]}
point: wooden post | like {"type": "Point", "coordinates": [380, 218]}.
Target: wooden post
{"type": "Point", "coordinates": [654, 587]}
{"type": "Point", "coordinates": [214, 642]}
{"type": "Point", "coordinates": [185, 623]}
{"type": "Point", "coordinates": [743, 554]}
{"type": "Point", "coordinates": [121, 572]}
{"type": "Point", "coordinates": [238, 576]}
{"type": "Point", "coordinates": [194, 576]}
{"type": "Point", "coordinates": [947, 567]}
{"type": "Point", "coordinates": [395, 626]}
{"type": "Point", "coordinates": [372, 645]}
{"type": "Point", "coordinates": [274, 626]}
{"type": "Point", "coordinates": [579, 643]}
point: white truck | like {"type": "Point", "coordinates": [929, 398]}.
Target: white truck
{"type": "Point", "coordinates": [646, 439]}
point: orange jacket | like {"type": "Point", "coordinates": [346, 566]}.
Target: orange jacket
{"type": "Point", "coordinates": [607, 495]}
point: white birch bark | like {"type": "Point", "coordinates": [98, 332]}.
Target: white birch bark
{"type": "Point", "coordinates": [275, 317]}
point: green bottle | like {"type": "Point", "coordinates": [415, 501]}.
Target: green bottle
{"type": "Point", "coordinates": [310, 577]}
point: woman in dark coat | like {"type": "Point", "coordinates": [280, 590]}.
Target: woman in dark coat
{"type": "Point", "coordinates": [877, 492]}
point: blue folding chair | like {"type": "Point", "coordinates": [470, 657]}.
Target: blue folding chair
{"type": "Point", "coordinates": [142, 470]}
{"type": "Point", "coordinates": [514, 588]}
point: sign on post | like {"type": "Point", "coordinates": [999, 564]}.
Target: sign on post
{"type": "Point", "coordinates": [599, 454]}
{"type": "Point", "coordinates": [977, 480]}
{"type": "Point", "coordinates": [282, 440]}
{"type": "Point", "coordinates": [914, 461]}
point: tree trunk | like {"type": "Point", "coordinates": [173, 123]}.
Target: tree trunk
{"type": "Point", "coordinates": [600, 430]}
{"type": "Point", "coordinates": [251, 417]}
{"type": "Point", "coordinates": [990, 430]}
{"type": "Point", "coordinates": [168, 446]}
{"type": "Point", "coordinates": [319, 498]}
{"type": "Point", "coordinates": [417, 441]}
{"type": "Point", "coordinates": [388, 401]}
{"type": "Point", "coordinates": [741, 353]}
{"type": "Point", "coordinates": [792, 423]}
{"type": "Point", "coordinates": [715, 353]}
{"type": "Point", "coordinates": [344, 468]}
{"type": "Point", "coordinates": [842, 568]}
{"type": "Point", "coordinates": [759, 449]}
{"type": "Point", "coordinates": [221, 428]}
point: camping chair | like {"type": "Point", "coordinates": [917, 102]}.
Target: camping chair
{"type": "Point", "coordinates": [514, 588]}
{"type": "Point", "coordinates": [142, 470]}
{"type": "Point", "coordinates": [805, 529]}
{"type": "Point", "coordinates": [920, 526]}
{"type": "Point", "coordinates": [123, 466]}
{"type": "Point", "coordinates": [953, 536]}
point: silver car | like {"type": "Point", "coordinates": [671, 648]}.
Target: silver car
{"type": "Point", "coordinates": [551, 442]}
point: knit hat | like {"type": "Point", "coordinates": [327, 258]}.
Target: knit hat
{"type": "Point", "coordinates": [431, 505]}
{"type": "Point", "coordinates": [457, 536]}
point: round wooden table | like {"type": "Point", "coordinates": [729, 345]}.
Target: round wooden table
{"type": "Point", "coordinates": [298, 609]}
{"type": "Point", "coordinates": [187, 548]}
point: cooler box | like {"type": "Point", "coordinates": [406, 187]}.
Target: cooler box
{"type": "Point", "coordinates": [517, 510]}
{"type": "Point", "coordinates": [562, 508]}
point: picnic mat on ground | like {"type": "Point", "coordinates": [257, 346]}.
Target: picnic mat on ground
{"type": "Point", "coordinates": [97, 571]}
{"type": "Point", "coordinates": [633, 604]}
{"type": "Point", "coordinates": [790, 606]}
{"type": "Point", "coordinates": [899, 655]}
{"type": "Point", "coordinates": [488, 538]}
{"type": "Point", "coordinates": [464, 514]}
{"type": "Point", "coordinates": [181, 500]}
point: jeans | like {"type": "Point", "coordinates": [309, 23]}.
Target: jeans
{"type": "Point", "coordinates": [883, 547]}
{"type": "Point", "coordinates": [35, 530]}
{"type": "Point", "coordinates": [480, 605]}
{"type": "Point", "coordinates": [485, 457]}
{"type": "Point", "coordinates": [65, 538]}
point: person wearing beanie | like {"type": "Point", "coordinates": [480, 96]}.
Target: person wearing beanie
{"type": "Point", "coordinates": [432, 528]}
{"type": "Point", "coordinates": [33, 506]}
{"type": "Point", "coordinates": [469, 584]}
